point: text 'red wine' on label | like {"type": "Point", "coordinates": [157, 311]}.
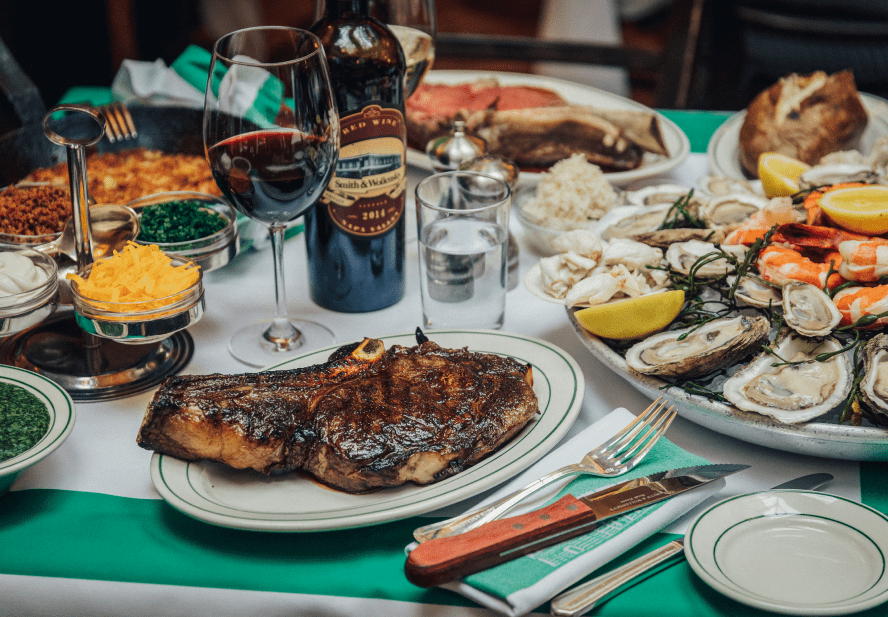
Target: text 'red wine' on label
{"type": "Point", "coordinates": [366, 195]}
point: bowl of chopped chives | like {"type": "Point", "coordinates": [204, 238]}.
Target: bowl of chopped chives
{"type": "Point", "coordinates": [197, 226]}
{"type": "Point", "coordinates": [140, 295]}
{"type": "Point", "coordinates": [36, 416]}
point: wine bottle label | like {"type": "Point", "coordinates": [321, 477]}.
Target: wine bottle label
{"type": "Point", "coordinates": [366, 195]}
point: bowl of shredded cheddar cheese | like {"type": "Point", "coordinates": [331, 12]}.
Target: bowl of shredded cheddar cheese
{"type": "Point", "coordinates": [140, 295]}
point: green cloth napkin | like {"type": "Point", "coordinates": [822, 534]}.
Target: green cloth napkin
{"type": "Point", "coordinates": [519, 586]}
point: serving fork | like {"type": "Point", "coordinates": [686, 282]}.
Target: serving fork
{"type": "Point", "coordinates": [119, 123]}
{"type": "Point", "coordinates": [614, 457]}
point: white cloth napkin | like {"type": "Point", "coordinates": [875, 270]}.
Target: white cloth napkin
{"type": "Point", "coordinates": [518, 587]}
{"type": "Point", "coordinates": [154, 83]}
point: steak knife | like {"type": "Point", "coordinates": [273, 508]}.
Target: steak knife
{"type": "Point", "coordinates": [582, 598]}
{"type": "Point", "coordinates": [442, 560]}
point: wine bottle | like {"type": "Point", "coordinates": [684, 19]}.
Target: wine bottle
{"type": "Point", "coordinates": [355, 233]}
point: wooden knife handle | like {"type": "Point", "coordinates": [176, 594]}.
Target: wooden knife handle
{"type": "Point", "coordinates": [446, 559]}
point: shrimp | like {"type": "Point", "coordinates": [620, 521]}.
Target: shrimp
{"type": "Point", "coordinates": [813, 236]}
{"type": "Point", "coordinates": [779, 211]}
{"type": "Point", "coordinates": [856, 302]}
{"type": "Point", "coordinates": [779, 265]}
{"type": "Point", "coordinates": [865, 260]}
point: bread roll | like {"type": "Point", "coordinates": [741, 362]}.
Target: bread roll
{"type": "Point", "coordinates": [803, 116]}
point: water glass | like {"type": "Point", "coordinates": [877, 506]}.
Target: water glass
{"type": "Point", "coordinates": [463, 224]}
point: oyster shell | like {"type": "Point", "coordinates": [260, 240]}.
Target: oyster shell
{"type": "Point", "coordinates": [714, 345]}
{"type": "Point", "coordinates": [756, 291]}
{"type": "Point", "coordinates": [731, 209]}
{"type": "Point", "coordinates": [809, 311]}
{"type": "Point", "coordinates": [682, 256]}
{"type": "Point", "coordinates": [628, 221]}
{"type": "Point", "coordinates": [715, 185]}
{"type": "Point", "coordinates": [874, 387]}
{"type": "Point", "coordinates": [664, 238]}
{"type": "Point", "coordinates": [657, 194]}
{"type": "Point", "coordinates": [822, 175]}
{"type": "Point", "coordinates": [792, 393]}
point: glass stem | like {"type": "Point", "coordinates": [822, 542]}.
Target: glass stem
{"type": "Point", "coordinates": [282, 333]}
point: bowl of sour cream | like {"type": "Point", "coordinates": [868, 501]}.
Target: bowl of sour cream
{"type": "Point", "coordinates": [29, 289]}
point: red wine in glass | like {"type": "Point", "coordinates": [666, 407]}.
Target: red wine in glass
{"type": "Point", "coordinates": [271, 137]}
{"type": "Point", "coordinates": [273, 176]}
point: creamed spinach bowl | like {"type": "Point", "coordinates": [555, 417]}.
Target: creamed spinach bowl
{"type": "Point", "coordinates": [36, 416]}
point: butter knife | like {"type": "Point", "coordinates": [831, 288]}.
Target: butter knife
{"type": "Point", "coordinates": [442, 560]}
{"type": "Point", "coordinates": [582, 598]}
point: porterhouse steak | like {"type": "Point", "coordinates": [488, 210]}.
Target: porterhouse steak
{"type": "Point", "coordinates": [367, 418]}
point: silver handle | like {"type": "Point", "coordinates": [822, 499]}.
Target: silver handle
{"type": "Point", "coordinates": [475, 518]}
{"type": "Point", "coordinates": [583, 597]}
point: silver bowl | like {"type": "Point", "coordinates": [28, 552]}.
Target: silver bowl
{"type": "Point", "coordinates": [20, 311]}
{"type": "Point", "coordinates": [210, 252]}
{"type": "Point", "coordinates": [139, 323]}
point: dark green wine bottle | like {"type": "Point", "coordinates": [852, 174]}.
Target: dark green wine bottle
{"type": "Point", "coordinates": [355, 233]}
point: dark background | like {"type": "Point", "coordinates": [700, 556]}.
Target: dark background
{"type": "Point", "coordinates": [60, 45]}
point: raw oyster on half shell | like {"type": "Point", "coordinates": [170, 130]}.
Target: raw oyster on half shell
{"type": "Point", "coordinates": [874, 387]}
{"type": "Point", "coordinates": [714, 345]}
{"type": "Point", "coordinates": [836, 173]}
{"type": "Point", "coordinates": [792, 393]}
{"type": "Point", "coordinates": [657, 194]}
{"type": "Point", "coordinates": [809, 311]}
{"type": "Point", "coordinates": [731, 209]}
{"type": "Point", "coordinates": [682, 256]}
{"type": "Point", "coordinates": [664, 238]}
{"type": "Point", "coordinates": [628, 221]}
{"type": "Point", "coordinates": [756, 291]}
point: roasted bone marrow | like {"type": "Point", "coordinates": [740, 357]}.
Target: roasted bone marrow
{"type": "Point", "coordinates": [368, 418]}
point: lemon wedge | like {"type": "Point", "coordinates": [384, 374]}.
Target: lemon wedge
{"type": "Point", "coordinates": [863, 209]}
{"type": "Point", "coordinates": [780, 174]}
{"type": "Point", "coordinates": [632, 318]}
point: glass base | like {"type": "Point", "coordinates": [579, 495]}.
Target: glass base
{"type": "Point", "coordinates": [250, 346]}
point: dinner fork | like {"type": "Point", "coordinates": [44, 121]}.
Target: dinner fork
{"type": "Point", "coordinates": [612, 458]}
{"type": "Point", "coordinates": [119, 123]}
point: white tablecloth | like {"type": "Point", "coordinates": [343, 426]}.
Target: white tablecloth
{"type": "Point", "coordinates": [242, 292]}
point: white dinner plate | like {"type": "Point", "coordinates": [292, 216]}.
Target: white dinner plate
{"type": "Point", "coordinates": [820, 437]}
{"type": "Point", "coordinates": [246, 499]}
{"type": "Point", "coordinates": [723, 150]}
{"type": "Point", "coordinates": [793, 552]}
{"type": "Point", "coordinates": [677, 143]}
{"type": "Point", "coordinates": [61, 420]}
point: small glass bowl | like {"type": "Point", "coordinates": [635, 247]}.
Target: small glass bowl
{"type": "Point", "coordinates": [21, 311]}
{"type": "Point", "coordinates": [39, 242]}
{"type": "Point", "coordinates": [538, 235]}
{"type": "Point", "coordinates": [210, 252]}
{"type": "Point", "coordinates": [139, 323]}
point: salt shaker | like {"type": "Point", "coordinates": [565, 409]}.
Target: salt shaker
{"type": "Point", "coordinates": [449, 152]}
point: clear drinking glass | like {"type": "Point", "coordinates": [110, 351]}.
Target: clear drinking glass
{"type": "Point", "coordinates": [413, 22]}
{"type": "Point", "coordinates": [271, 136]}
{"type": "Point", "coordinates": [463, 223]}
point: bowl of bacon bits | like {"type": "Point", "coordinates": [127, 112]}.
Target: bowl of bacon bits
{"type": "Point", "coordinates": [196, 226]}
{"type": "Point", "coordinates": [140, 295]}
{"type": "Point", "coordinates": [33, 214]}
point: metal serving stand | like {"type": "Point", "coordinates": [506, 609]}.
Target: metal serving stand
{"type": "Point", "coordinates": [89, 367]}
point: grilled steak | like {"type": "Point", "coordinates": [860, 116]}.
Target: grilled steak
{"type": "Point", "coordinates": [367, 418]}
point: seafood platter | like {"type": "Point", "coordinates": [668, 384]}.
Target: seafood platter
{"type": "Point", "coordinates": [777, 338]}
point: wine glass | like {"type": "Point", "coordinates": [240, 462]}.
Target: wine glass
{"type": "Point", "coordinates": [413, 23]}
{"type": "Point", "coordinates": [271, 137]}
